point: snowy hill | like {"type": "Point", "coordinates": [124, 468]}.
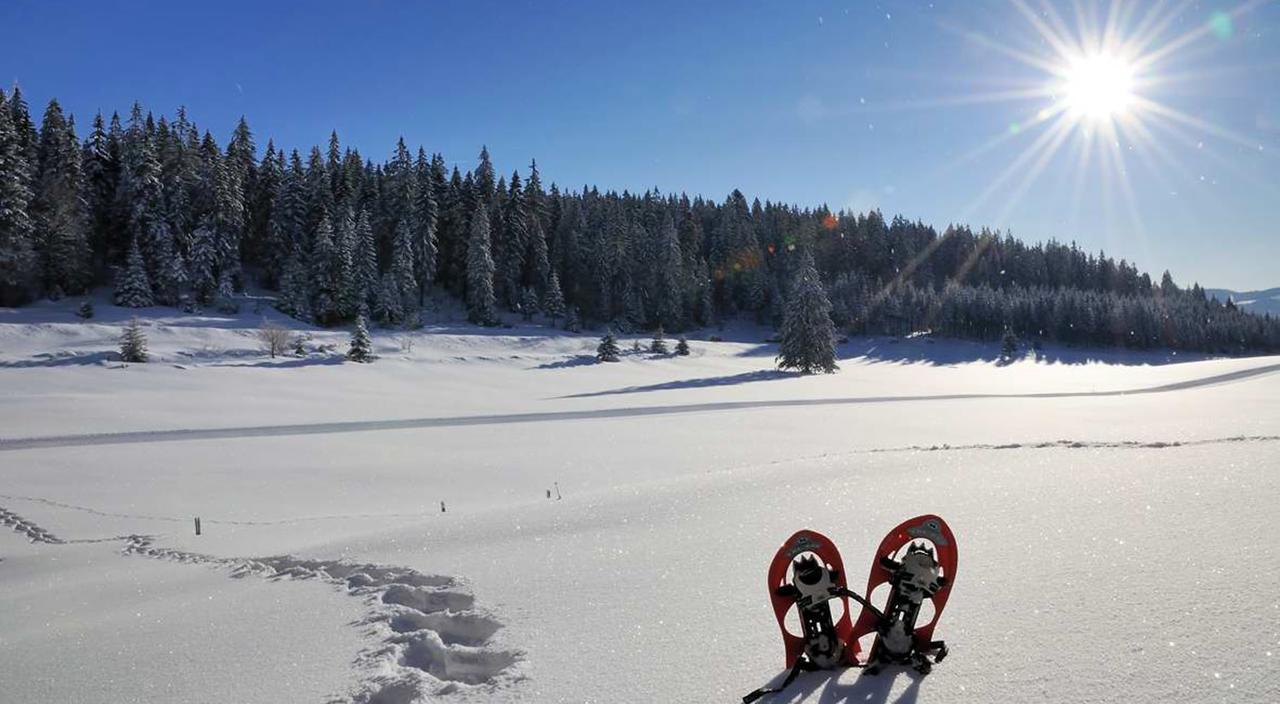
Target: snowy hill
{"type": "Point", "coordinates": [1259, 302]}
{"type": "Point", "coordinates": [382, 532]}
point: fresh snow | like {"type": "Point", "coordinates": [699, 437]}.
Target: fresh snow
{"type": "Point", "coordinates": [1112, 511]}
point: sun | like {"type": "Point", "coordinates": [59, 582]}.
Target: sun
{"type": "Point", "coordinates": [1098, 87]}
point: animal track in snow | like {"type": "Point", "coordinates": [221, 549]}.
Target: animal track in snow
{"type": "Point", "coordinates": [34, 533]}
{"type": "Point", "coordinates": [433, 639]}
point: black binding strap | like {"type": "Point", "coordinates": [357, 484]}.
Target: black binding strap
{"type": "Point", "coordinates": [802, 665]}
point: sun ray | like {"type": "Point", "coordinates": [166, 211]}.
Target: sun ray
{"type": "Point", "coordinates": [1155, 55]}
{"type": "Point", "coordinates": [1050, 135]}
{"type": "Point", "coordinates": [1156, 108]}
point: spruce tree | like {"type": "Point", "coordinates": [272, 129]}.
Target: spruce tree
{"type": "Point", "coordinates": [426, 247]}
{"type": "Point", "coordinates": [324, 275]}
{"type": "Point", "coordinates": [17, 254]}
{"type": "Point", "coordinates": [607, 350]}
{"type": "Point", "coordinates": [682, 347]}
{"type": "Point", "coordinates": [480, 298]}
{"type": "Point", "coordinates": [808, 335]}
{"type": "Point", "coordinates": [361, 349]}
{"type": "Point", "coordinates": [528, 304]}
{"type": "Point", "coordinates": [367, 281]}
{"type": "Point", "coordinates": [659, 343]}
{"type": "Point", "coordinates": [402, 267]}
{"type": "Point", "coordinates": [133, 290]}
{"type": "Point", "coordinates": [1008, 346]}
{"type": "Point", "coordinates": [553, 301]}
{"type": "Point", "coordinates": [58, 207]}
{"type": "Point", "coordinates": [133, 343]}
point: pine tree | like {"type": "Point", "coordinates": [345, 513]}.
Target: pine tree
{"type": "Point", "coordinates": [324, 275]}
{"type": "Point", "coordinates": [426, 247]}
{"type": "Point", "coordinates": [682, 347]}
{"type": "Point", "coordinates": [607, 350]}
{"type": "Point", "coordinates": [203, 275]}
{"type": "Point", "coordinates": [808, 336]}
{"type": "Point", "coordinates": [528, 304]}
{"type": "Point", "coordinates": [85, 310]}
{"type": "Point", "coordinates": [659, 343]}
{"type": "Point", "coordinates": [133, 343]}
{"type": "Point", "coordinates": [134, 288]}
{"type": "Point", "coordinates": [553, 301]}
{"type": "Point", "coordinates": [480, 298]}
{"type": "Point", "coordinates": [367, 280]}
{"type": "Point", "coordinates": [58, 207]}
{"type": "Point", "coordinates": [361, 349]}
{"type": "Point", "coordinates": [402, 268]}
{"type": "Point", "coordinates": [17, 254]}
{"type": "Point", "coordinates": [1008, 346]}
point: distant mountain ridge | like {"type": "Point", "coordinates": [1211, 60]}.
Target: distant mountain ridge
{"type": "Point", "coordinates": [1266, 301]}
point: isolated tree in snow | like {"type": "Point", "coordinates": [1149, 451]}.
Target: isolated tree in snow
{"type": "Point", "coordinates": [659, 344]}
{"type": "Point", "coordinates": [361, 349]}
{"type": "Point", "coordinates": [682, 347]}
{"type": "Point", "coordinates": [85, 310]}
{"type": "Point", "coordinates": [480, 298]}
{"type": "Point", "coordinates": [134, 289]}
{"type": "Point", "coordinates": [607, 350]}
{"type": "Point", "coordinates": [133, 343]}
{"type": "Point", "coordinates": [275, 338]}
{"type": "Point", "coordinates": [808, 336]}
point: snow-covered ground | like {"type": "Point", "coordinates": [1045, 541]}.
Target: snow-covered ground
{"type": "Point", "coordinates": [1113, 511]}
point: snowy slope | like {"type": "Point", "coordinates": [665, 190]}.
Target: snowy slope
{"type": "Point", "coordinates": [1110, 541]}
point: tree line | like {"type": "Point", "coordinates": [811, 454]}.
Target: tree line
{"type": "Point", "coordinates": [161, 211]}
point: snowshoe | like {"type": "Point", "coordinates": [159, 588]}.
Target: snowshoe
{"type": "Point", "coordinates": [817, 577]}
{"type": "Point", "coordinates": [926, 570]}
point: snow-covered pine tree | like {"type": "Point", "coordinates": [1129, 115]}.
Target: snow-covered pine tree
{"type": "Point", "coordinates": [133, 290]}
{"type": "Point", "coordinates": [361, 349]}
{"type": "Point", "coordinates": [58, 207]}
{"type": "Point", "coordinates": [294, 299]}
{"type": "Point", "coordinates": [659, 343]}
{"type": "Point", "coordinates": [203, 275]}
{"type": "Point", "coordinates": [607, 350]}
{"type": "Point", "coordinates": [324, 275]}
{"type": "Point", "coordinates": [349, 291]}
{"type": "Point", "coordinates": [389, 308]}
{"type": "Point", "coordinates": [808, 335]}
{"type": "Point", "coordinates": [573, 320]}
{"type": "Point", "coordinates": [133, 343]}
{"type": "Point", "coordinates": [101, 174]}
{"type": "Point", "coordinates": [1008, 345]}
{"type": "Point", "coordinates": [682, 347]}
{"type": "Point", "coordinates": [366, 262]}
{"type": "Point", "coordinates": [17, 254]}
{"type": "Point", "coordinates": [528, 304]}
{"type": "Point", "coordinates": [480, 298]}
{"type": "Point", "coordinates": [669, 295]}
{"type": "Point", "coordinates": [553, 300]}
{"type": "Point", "coordinates": [426, 248]}
{"type": "Point", "coordinates": [514, 242]}
{"type": "Point", "coordinates": [402, 267]}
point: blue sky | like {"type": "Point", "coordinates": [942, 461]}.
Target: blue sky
{"type": "Point", "coordinates": [916, 108]}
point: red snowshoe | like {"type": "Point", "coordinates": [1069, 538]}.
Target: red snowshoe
{"type": "Point", "coordinates": [817, 577]}
{"type": "Point", "coordinates": [926, 570]}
